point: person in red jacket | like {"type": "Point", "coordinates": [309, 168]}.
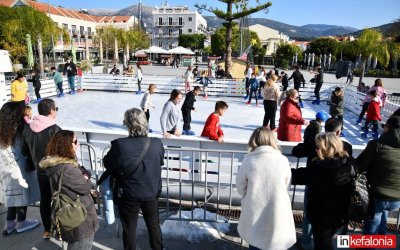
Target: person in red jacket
{"type": "Point", "coordinates": [291, 120]}
{"type": "Point", "coordinates": [373, 115]}
{"type": "Point", "coordinates": [212, 128]}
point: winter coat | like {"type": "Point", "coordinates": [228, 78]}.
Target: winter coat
{"type": "Point", "coordinates": [37, 135]}
{"type": "Point", "coordinates": [70, 69]}
{"type": "Point", "coordinates": [336, 105]}
{"type": "Point", "coordinates": [319, 78]}
{"type": "Point", "coordinates": [290, 121]}
{"type": "Point", "coordinates": [212, 128]}
{"type": "Point", "coordinates": [36, 81]}
{"type": "Point", "coordinates": [297, 77]}
{"type": "Point", "coordinates": [266, 220]}
{"type": "Point", "coordinates": [381, 93]}
{"type": "Point", "coordinates": [271, 93]}
{"type": "Point", "coordinates": [144, 184]}
{"type": "Point", "coordinates": [19, 91]}
{"type": "Point", "coordinates": [374, 110]}
{"type": "Point", "coordinates": [253, 82]}
{"type": "Point", "coordinates": [73, 184]}
{"type": "Point", "coordinates": [329, 188]}
{"type": "Point", "coordinates": [381, 160]}
{"type": "Point", "coordinates": [57, 77]}
{"type": "Point", "coordinates": [190, 99]}
{"type": "Point", "coordinates": [18, 187]}
{"type": "Point", "coordinates": [285, 81]}
{"type": "Point", "coordinates": [146, 102]}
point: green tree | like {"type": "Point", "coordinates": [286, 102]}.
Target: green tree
{"type": "Point", "coordinates": [324, 45]}
{"type": "Point", "coordinates": [26, 20]}
{"type": "Point", "coordinates": [242, 10]}
{"type": "Point", "coordinates": [371, 43]}
{"type": "Point", "coordinates": [193, 41]}
{"type": "Point", "coordinates": [285, 53]}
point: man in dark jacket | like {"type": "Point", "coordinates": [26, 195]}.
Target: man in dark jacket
{"type": "Point", "coordinates": [36, 137]}
{"type": "Point", "coordinates": [381, 160]}
{"type": "Point", "coordinates": [319, 79]}
{"type": "Point", "coordinates": [187, 107]}
{"type": "Point", "coordinates": [36, 84]}
{"type": "Point", "coordinates": [298, 78]}
{"type": "Point", "coordinates": [71, 71]}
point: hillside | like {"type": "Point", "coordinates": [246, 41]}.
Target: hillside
{"type": "Point", "coordinates": [306, 31]}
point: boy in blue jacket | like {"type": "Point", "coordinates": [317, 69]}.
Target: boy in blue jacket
{"type": "Point", "coordinates": [253, 85]}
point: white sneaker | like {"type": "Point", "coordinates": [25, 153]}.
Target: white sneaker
{"type": "Point", "coordinates": [25, 225]}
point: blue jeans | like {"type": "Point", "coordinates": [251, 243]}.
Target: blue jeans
{"type": "Point", "coordinates": [377, 225]}
{"type": "Point", "coordinates": [71, 82]}
{"type": "Point", "coordinates": [307, 232]}
{"type": "Point", "coordinates": [253, 248]}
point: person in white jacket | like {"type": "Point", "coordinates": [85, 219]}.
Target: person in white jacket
{"type": "Point", "coordinates": [266, 220]}
{"type": "Point", "coordinates": [146, 104]}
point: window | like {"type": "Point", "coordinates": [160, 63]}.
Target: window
{"type": "Point", "coordinates": [160, 43]}
{"type": "Point", "coordinates": [189, 30]}
{"type": "Point", "coordinates": [190, 19]}
{"type": "Point", "coordinates": [160, 21]}
{"type": "Point", "coordinates": [160, 31]}
{"type": "Point", "coordinates": [65, 26]}
{"type": "Point", "coordinates": [180, 21]}
{"type": "Point", "coordinates": [73, 27]}
{"type": "Point", "coordinates": [180, 31]}
{"type": "Point", "coordinates": [89, 31]}
{"type": "Point", "coordinates": [170, 46]}
{"type": "Point", "coordinates": [169, 20]}
{"type": "Point", "coordinates": [81, 29]}
{"type": "Point", "coordinates": [170, 32]}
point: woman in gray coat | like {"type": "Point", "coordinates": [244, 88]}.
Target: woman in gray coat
{"type": "Point", "coordinates": [18, 187]}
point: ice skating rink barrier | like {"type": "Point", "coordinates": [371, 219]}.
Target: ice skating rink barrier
{"type": "Point", "coordinates": [197, 172]}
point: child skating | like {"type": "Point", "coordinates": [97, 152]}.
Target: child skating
{"type": "Point", "coordinates": [204, 81]}
{"type": "Point", "coordinates": [373, 115]}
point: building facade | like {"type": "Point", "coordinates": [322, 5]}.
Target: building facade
{"type": "Point", "coordinates": [270, 38]}
{"type": "Point", "coordinates": [80, 25]}
{"type": "Point", "coordinates": [170, 22]}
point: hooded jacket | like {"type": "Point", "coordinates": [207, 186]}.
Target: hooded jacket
{"type": "Point", "coordinates": [336, 105]}
{"type": "Point", "coordinates": [329, 188]}
{"type": "Point", "coordinates": [381, 160]}
{"type": "Point", "coordinates": [290, 121]}
{"type": "Point", "coordinates": [37, 135]}
{"type": "Point", "coordinates": [74, 183]}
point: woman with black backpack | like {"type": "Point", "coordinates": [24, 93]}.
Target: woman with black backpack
{"type": "Point", "coordinates": [65, 175]}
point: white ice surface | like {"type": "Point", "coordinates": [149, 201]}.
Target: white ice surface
{"type": "Point", "coordinates": [105, 110]}
{"type": "Point", "coordinates": [194, 231]}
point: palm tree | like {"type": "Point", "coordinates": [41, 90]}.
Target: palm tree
{"type": "Point", "coordinates": [371, 43]}
{"type": "Point", "coordinates": [242, 10]}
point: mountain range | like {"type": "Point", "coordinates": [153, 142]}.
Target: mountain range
{"type": "Point", "coordinates": [304, 32]}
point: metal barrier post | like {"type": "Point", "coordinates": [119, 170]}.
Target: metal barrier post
{"type": "Point", "coordinates": [294, 187]}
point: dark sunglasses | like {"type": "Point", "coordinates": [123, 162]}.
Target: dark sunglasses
{"type": "Point", "coordinates": [75, 142]}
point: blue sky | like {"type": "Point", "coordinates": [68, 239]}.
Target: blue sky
{"type": "Point", "coordinates": [356, 13]}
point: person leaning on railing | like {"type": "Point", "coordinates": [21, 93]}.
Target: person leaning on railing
{"type": "Point", "coordinates": [140, 189]}
{"type": "Point", "coordinates": [266, 220]}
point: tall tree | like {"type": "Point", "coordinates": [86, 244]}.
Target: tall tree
{"type": "Point", "coordinates": [371, 43]}
{"type": "Point", "coordinates": [26, 20]}
{"type": "Point", "coordinates": [324, 45]}
{"type": "Point", "coordinates": [242, 10]}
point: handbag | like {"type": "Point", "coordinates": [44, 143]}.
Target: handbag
{"type": "Point", "coordinates": [359, 197]}
{"type": "Point", "coordinates": [67, 214]}
{"type": "Point", "coordinates": [111, 191]}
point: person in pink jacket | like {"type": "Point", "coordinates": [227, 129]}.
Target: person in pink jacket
{"type": "Point", "coordinates": [381, 92]}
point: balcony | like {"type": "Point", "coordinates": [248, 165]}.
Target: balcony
{"type": "Point", "coordinates": [173, 23]}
